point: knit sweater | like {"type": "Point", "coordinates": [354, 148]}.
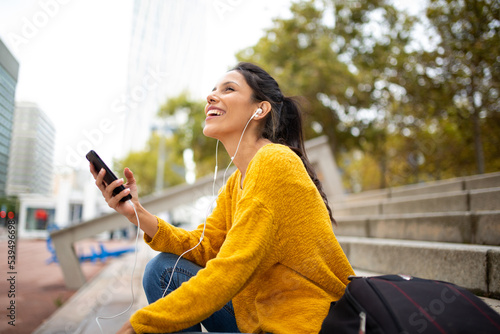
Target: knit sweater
{"type": "Point", "coordinates": [268, 246]}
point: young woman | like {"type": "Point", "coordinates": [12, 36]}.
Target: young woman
{"type": "Point", "coordinates": [269, 261]}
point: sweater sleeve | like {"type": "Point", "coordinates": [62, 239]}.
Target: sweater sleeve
{"type": "Point", "coordinates": [246, 245]}
{"type": "Point", "coordinates": [171, 239]}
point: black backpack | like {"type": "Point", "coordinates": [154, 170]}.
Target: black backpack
{"type": "Point", "coordinates": [406, 305]}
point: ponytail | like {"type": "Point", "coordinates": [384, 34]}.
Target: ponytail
{"type": "Point", "coordinates": [284, 126]}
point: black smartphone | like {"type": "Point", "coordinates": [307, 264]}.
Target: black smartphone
{"type": "Point", "coordinates": [109, 177]}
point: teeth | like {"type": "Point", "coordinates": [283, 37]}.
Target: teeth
{"type": "Point", "coordinates": [215, 112]}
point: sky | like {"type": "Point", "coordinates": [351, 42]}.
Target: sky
{"type": "Point", "coordinates": [74, 54]}
{"type": "Point", "coordinates": [73, 57]}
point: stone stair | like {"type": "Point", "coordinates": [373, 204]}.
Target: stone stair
{"type": "Point", "coordinates": [447, 230]}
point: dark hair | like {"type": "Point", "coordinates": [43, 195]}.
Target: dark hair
{"type": "Point", "coordinates": [284, 125]}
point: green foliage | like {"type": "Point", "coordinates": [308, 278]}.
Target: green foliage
{"type": "Point", "coordinates": [451, 107]}
{"type": "Point", "coordinates": [190, 133]}
{"type": "Point", "coordinates": [395, 110]}
{"type": "Point", "coordinates": [298, 53]}
{"type": "Point", "coordinates": [144, 165]}
{"type": "Point", "coordinates": [465, 71]}
{"type": "Point", "coordinates": [346, 71]}
{"type": "Point", "coordinates": [413, 113]}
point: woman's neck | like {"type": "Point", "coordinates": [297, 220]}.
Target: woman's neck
{"type": "Point", "coordinates": [245, 152]}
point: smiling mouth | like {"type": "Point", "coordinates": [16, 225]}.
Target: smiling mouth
{"type": "Point", "coordinates": [215, 112]}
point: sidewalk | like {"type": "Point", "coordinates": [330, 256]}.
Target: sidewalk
{"type": "Point", "coordinates": [39, 287]}
{"type": "Point", "coordinates": [106, 295]}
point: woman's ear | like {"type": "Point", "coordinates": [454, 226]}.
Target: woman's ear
{"type": "Point", "coordinates": [265, 107]}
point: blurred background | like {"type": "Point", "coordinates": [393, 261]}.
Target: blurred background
{"type": "Point", "coordinates": [406, 92]}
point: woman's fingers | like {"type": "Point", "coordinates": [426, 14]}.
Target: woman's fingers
{"type": "Point", "coordinates": [109, 189]}
{"type": "Point", "coordinates": [113, 201]}
{"type": "Point", "coordinates": [122, 194]}
{"type": "Point", "coordinates": [129, 175]}
{"type": "Point", "coordinates": [99, 180]}
{"type": "Point", "coordinates": [92, 170]}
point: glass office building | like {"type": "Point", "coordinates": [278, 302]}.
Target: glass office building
{"type": "Point", "coordinates": [9, 69]}
{"type": "Point", "coordinates": [31, 164]}
{"type": "Point", "coordinates": [166, 37]}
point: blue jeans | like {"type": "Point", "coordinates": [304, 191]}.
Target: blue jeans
{"type": "Point", "coordinates": [156, 277]}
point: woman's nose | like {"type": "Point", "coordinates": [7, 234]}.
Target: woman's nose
{"type": "Point", "coordinates": [212, 98]}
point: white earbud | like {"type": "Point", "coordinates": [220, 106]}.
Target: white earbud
{"type": "Point", "coordinates": [257, 112]}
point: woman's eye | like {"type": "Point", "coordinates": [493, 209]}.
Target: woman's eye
{"type": "Point", "coordinates": [229, 89]}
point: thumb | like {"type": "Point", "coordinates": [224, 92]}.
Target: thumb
{"type": "Point", "coordinates": [129, 175]}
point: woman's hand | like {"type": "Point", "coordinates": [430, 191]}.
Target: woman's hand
{"type": "Point", "coordinates": [148, 222]}
{"type": "Point", "coordinates": [126, 329]}
{"type": "Point", "coordinates": [123, 208]}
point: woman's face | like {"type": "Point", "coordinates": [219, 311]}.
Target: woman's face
{"type": "Point", "coordinates": [229, 107]}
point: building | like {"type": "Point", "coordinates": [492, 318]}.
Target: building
{"type": "Point", "coordinates": [74, 199]}
{"type": "Point", "coordinates": [166, 38]}
{"type": "Point", "coordinates": [9, 70]}
{"type": "Point", "coordinates": [31, 163]}
{"type": "Point", "coordinates": [48, 198]}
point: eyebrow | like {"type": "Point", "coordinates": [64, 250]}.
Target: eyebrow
{"type": "Point", "coordinates": [226, 83]}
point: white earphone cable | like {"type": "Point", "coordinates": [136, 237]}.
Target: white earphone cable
{"type": "Point", "coordinates": [237, 148]}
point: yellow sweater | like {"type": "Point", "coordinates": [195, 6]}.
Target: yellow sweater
{"type": "Point", "coordinates": [268, 246]}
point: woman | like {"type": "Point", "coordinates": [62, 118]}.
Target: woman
{"type": "Point", "coordinates": [269, 261]}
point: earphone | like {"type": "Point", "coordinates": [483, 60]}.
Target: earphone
{"type": "Point", "coordinates": [257, 112]}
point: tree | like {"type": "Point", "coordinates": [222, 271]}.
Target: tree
{"type": "Point", "coordinates": [395, 109]}
{"type": "Point", "coordinates": [451, 93]}
{"type": "Point", "coordinates": [466, 66]}
{"type": "Point", "coordinates": [298, 53]}
{"type": "Point", "coordinates": [348, 71]}
{"type": "Point", "coordinates": [144, 165]}
{"type": "Point", "coordinates": [189, 134]}
{"type": "Point", "coordinates": [419, 112]}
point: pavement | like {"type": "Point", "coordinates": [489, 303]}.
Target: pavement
{"type": "Point", "coordinates": [38, 288]}
{"type": "Point", "coordinates": [105, 302]}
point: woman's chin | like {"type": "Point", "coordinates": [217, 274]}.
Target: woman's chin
{"type": "Point", "coordinates": [209, 132]}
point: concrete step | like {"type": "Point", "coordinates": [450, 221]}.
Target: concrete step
{"type": "Point", "coordinates": [482, 181]}
{"type": "Point", "coordinates": [456, 201]}
{"type": "Point", "coordinates": [485, 199]}
{"type": "Point", "coordinates": [474, 182]}
{"type": "Point", "coordinates": [482, 227]}
{"type": "Point", "coordinates": [474, 267]}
